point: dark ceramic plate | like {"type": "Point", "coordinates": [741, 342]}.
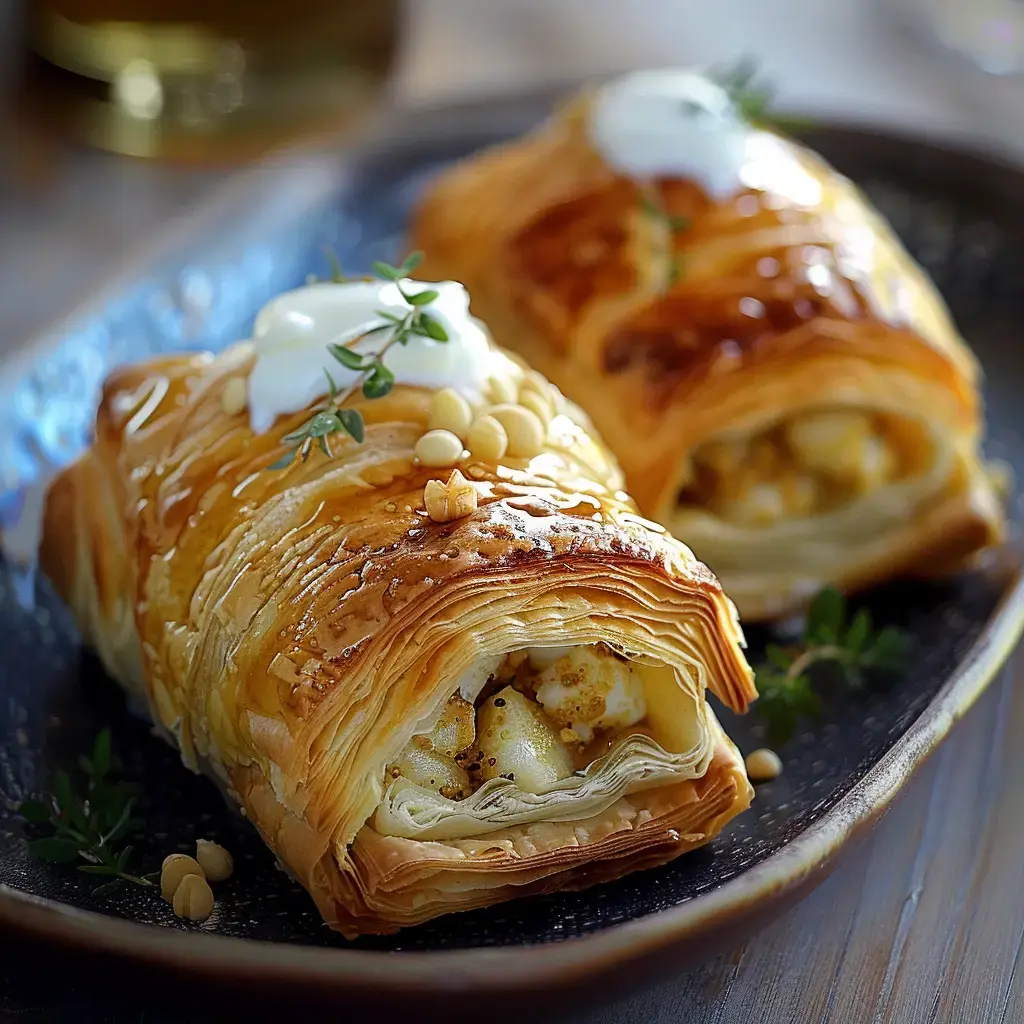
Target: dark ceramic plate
{"type": "Point", "coordinates": [962, 216]}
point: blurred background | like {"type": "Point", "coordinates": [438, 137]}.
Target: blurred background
{"type": "Point", "coordinates": [121, 115]}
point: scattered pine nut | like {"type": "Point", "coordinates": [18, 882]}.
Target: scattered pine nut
{"type": "Point", "coordinates": [175, 867]}
{"type": "Point", "coordinates": [193, 899]}
{"type": "Point", "coordinates": [216, 862]}
{"type": "Point", "coordinates": [763, 765]}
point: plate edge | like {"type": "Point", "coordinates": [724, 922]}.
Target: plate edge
{"type": "Point", "coordinates": [493, 970]}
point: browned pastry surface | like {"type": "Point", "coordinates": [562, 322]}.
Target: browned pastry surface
{"type": "Point", "coordinates": [786, 300]}
{"type": "Point", "coordinates": [289, 628]}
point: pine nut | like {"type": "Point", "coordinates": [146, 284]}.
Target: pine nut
{"type": "Point", "coordinates": [438, 448]}
{"type": "Point", "coordinates": [174, 868]}
{"type": "Point", "coordinates": [450, 411]}
{"type": "Point", "coordinates": [763, 765]}
{"type": "Point", "coordinates": [525, 430]}
{"type": "Point", "coordinates": [487, 439]}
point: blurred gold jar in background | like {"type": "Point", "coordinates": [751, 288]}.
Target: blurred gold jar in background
{"type": "Point", "coordinates": [207, 79]}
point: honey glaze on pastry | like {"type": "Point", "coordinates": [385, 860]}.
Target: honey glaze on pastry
{"type": "Point", "coordinates": [780, 382]}
{"type": "Point", "coordinates": [430, 687]}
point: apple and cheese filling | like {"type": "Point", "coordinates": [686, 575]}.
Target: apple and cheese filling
{"type": "Point", "coordinates": [809, 465]}
{"type": "Point", "coordinates": [554, 734]}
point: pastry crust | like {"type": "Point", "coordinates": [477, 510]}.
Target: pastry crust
{"type": "Point", "coordinates": [289, 629]}
{"type": "Point", "coordinates": [792, 297]}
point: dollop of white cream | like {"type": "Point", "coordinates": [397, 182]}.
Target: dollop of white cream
{"type": "Point", "coordinates": [671, 122]}
{"type": "Point", "coordinates": [292, 333]}
{"type": "Point", "coordinates": [679, 123]}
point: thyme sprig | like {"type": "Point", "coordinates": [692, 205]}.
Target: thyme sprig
{"type": "Point", "coordinates": [375, 379]}
{"type": "Point", "coordinates": [87, 826]}
{"type": "Point", "coordinates": [326, 420]}
{"type": "Point", "coordinates": [834, 648]}
{"type": "Point", "coordinates": [654, 206]}
{"type": "Point", "coordinates": [753, 99]}
{"type": "Point", "coordinates": [338, 276]}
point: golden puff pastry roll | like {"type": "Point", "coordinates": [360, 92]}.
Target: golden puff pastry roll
{"type": "Point", "coordinates": [781, 383]}
{"type": "Point", "coordinates": [435, 655]}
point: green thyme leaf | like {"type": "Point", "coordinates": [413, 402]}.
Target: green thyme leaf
{"type": "Point", "coordinates": [390, 273]}
{"type": "Point", "coordinates": [410, 263]}
{"type": "Point", "coordinates": [431, 327]}
{"type": "Point", "coordinates": [379, 381]}
{"type": "Point", "coordinates": [386, 271]}
{"type": "Point", "coordinates": [285, 460]}
{"type": "Point", "coordinates": [119, 829]}
{"type": "Point", "coordinates": [55, 849]}
{"type": "Point", "coordinates": [859, 632]}
{"type": "Point", "coordinates": [101, 753]}
{"type": "Point", "coordinates": [108, 887]}
{"type": "Point", "coordinates": [297, 436]}
{"type": "Point", "coordinates": [423, 298]}
{"type": "Point", "coordinates": [35, 812]}
{"type": "Point", "coordinates": [325, 422]}
{"type": "Point", "coordinates": [778, 656]}
{"type": "Point", "coordinates": [86, 823]}
{"type": "Point", "coordinates": [753, 100]}
{"type": "Point", "coordinates": [784, 701]}
{"type": "Point", "coordinates": [352, 422]}
{"type": "Point", "coordinates": [652, 205]}
{"type": "Point", "coordinates": [888, 650]}
{"type": "Point", "coordinates": [825, 616]}
{"type": "Point", "coordinates": [349, 359]}
{"type": "Point", "coordinates": [337, 275]}
{"type": "Point", "coordinates": [63, 792]}
{"type": "Point", "coordinates": [651, 208]}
